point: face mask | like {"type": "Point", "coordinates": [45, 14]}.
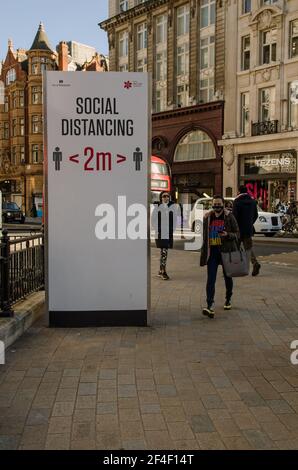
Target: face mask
{"type": "Point", "coordinates": [217, 208]}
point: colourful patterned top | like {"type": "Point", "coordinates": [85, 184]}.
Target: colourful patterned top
{"type": "Point", "coordinates": [217, 225]}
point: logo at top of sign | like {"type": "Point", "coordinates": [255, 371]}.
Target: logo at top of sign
{"type": "Point", "coordinates": [127, 85]}
{"type": "Point", "coordinates": [57, 158]}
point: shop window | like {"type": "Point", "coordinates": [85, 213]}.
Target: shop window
{"type": "Point", "coordinates": [196, 145]}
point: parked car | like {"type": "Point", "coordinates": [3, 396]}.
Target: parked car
{"type": "Point", "coordinates": [11, 212]}
{"type": "Point", "coordinates": [267, 223]}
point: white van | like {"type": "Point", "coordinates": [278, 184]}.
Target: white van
{"type": "Point", "coordinates": [267, 223]}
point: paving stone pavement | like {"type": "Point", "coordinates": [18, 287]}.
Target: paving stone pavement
{"type": "Point", "coordinates": [186, 382]}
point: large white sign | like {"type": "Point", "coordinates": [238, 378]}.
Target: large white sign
{"type": "Point", "coordinates": [96, 181]}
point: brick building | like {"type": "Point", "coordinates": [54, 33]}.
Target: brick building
{"type": "Point", "coordinates": [181, 42]}
{"type": "Point", "coordinates": [21, 115]}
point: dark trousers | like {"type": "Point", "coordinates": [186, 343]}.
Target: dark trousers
{"type": "Point", "coordinates": [212, 267]}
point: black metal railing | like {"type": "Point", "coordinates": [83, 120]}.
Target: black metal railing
{"type": "Point", "coordinates": [264, 127]}
{"type": "Point", "coordinates": [21, 269]}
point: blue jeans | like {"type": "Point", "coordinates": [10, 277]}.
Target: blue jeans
{"type": "Point", "coordinates": [212, 267]}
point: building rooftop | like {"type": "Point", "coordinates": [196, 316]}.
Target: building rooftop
{"type": "Point", "coordinates": [41, 41]}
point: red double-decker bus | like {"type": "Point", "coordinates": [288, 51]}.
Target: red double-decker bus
{"type": "Point", "coordinates": [160, 177]}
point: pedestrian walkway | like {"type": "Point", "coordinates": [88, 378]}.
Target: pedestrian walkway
{"type": "Point", "coordinates": [186, 382]}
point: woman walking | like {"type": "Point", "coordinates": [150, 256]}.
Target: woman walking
{"type": "Point", "coordinates": [164, 219]}
{"type": "Point", "coordinates": [220, 234]}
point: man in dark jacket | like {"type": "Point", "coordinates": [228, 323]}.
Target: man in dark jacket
{"type": "Point", "coordinates": [220, 234]}
{"type": "Point", "coordinates": [245, 212]}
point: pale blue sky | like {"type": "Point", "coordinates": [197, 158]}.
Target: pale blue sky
{"type": "Point", "coordinates": [64, 20]}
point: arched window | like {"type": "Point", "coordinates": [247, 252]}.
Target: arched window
{"type": "Point", "coordinates": [11, 76]}
{"type": "Point", "coordinates": [196, 145]}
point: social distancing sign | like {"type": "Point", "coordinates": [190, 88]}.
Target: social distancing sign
{"type": "Point", "coordinates": [97, 165]}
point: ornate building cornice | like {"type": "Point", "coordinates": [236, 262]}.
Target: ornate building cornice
{"type": "Point", "coordinates": [178, 112]}
{"type": "Point", "coordinates": [138, 10]}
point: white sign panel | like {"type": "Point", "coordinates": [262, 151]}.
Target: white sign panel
{"type": "Point", "coordinates": [96, 181]}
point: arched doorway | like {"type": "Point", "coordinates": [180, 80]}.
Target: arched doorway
{"type": "Point", "coordinates": [193, 174]}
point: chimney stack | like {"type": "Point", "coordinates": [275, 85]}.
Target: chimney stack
{"type": "Point", "coordinates": [63, 56]}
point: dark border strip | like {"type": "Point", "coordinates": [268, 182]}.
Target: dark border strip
{"type": "Point", "coordinates": [78, 319]}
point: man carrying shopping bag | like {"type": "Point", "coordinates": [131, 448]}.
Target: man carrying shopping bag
{"type": "Point", "coordinates": [220, 234]}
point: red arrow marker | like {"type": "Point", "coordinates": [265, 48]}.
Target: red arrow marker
{"type": "Point", "coordinates": [74, 158]}
{"type": "Point", "coordinates": [120, 158]}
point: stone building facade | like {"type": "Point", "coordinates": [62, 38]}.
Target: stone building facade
{"type": "Point", "coordinates": [260, 141]}
{"type": "Point", "coordinates": [21, 116]}
{"type": "Point", "coordinates": [181, 43]}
